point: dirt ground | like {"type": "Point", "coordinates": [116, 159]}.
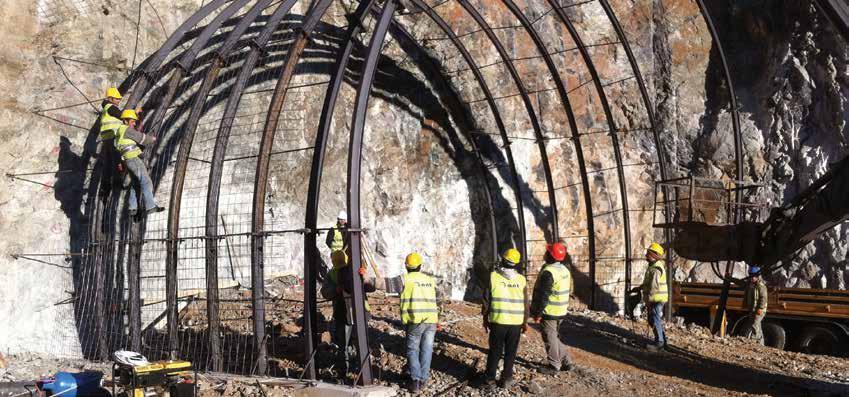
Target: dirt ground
{"type": "Point", "coordinates": [607, 350]}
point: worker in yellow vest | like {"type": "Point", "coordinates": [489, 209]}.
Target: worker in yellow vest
{"type": "Point", "coordinates": [505, 316]}
{"type": "Point", "coordinates": [337, 289]}
{"type": "Point", "coordinates": [550, 304]}
{"type": "Point", "coordinates": [338, 236]}
{"type": "Point", "coordinates": [127, 142]}
{"type": "Point", "coordinates": [110, 121]}
{"type": "Point", "coordinates": [420, 315]}
{"type": "Point", "coordinates": [655, 293]}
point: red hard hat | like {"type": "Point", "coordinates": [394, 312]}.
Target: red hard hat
{"type": "Point", "coordinates": [556, 250]}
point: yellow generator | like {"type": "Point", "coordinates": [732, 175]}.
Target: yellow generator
{"type": "Point", "coordinates": [159, 378]}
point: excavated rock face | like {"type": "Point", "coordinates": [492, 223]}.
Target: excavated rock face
{"type": "Point", "coordinates": [423, 188]}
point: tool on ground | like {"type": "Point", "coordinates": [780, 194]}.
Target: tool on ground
{"type": "Point", "coordinates": [136, 377]}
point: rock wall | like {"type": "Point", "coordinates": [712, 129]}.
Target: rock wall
{"type": "Point", "coordinates": [422, 187]}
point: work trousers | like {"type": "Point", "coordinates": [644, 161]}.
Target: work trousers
{"type": "Point", "coordinates": [142, 185]}
{"type": "Point", "coordinates": [656, 322]}
{"type": "Point", "coordinates": [503, 340]}
{"type": "Point", "coordinates": [753, 328]}
{"type": "Point", "coordinates": [346, 355]}
{"type": "Point", "coordinates": [108, 161]}
{"type": "Point", "coordinates": [558, 357]}
{"type": "Point", "coordinates": [419, 350]}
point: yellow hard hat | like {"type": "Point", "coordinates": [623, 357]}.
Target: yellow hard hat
{"type": "Point", "coordinates": [413, 260]}
{"type": "Point", "coordinates": [339, 258]}
{"type": "Point", "coordinates": [657, 248]}
{"type": "Point", "coordinates": [512, 255]}
{"type": "Point", "coordinates": [129, 114]}
{"type": "Point", "coordinates": [113, 92]}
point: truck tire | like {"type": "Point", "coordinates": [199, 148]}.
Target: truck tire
{"type": "Point", "coordinates": [774, 335]}
{"type": "Point", "coordinates": [818, 340]}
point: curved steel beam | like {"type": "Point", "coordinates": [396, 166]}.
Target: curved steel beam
{"type": "Point", "coordinates": [278, 98]}
{"type": "Point", "coordinates": [104, 244]}
{"type": "Point", "coordinates": [738, 147]}
{"type": "Point", "coordinates": [526, 100]}
{"type": "Point", "coordinates": [608, 114]}
{"type": "Point", "coordinates": [354, 163]}
{"type": "Point", "coordinates": [180, 168]}
{"type": "Point", "coordinates": [355, 26]}
{"type": "Point", "coordinates": [499, 121]}
{"type": "Point", "coordinates": [442, 84]}
{"type": "Point", "coordinates": [661, 150]}
{"type": "Point", "coordinates": [219, 152]}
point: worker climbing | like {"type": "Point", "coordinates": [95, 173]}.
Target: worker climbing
{"type": "Point", "coordinates": [655, 293]}
{"type": "Point", "coordinates": [551, 303]}
{"type": "Point", "coordinates": [505, 316]}
{"type": "Point", "coordinates": [755, 301]}
{"type": "Point", "coordinates": [420, 316]}
{"type": "Point", "coordinates": [127, 142]}
{"type": "Point", "coordinates": [110, 122]}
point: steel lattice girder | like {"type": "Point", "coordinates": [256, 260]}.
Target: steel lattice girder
{"type": "Point", "coordinates": [152, 71]}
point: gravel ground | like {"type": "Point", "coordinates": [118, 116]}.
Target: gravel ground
{"type": "Point", "coordinates": [607, 350]}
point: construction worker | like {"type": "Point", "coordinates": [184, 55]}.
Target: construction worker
{"type": "Point", "coordinates": [756, 301]}
{"type": "Point", "coordinates": [550, 304]}
{"type": "Point", "coordinates": [505, 316]}
{"type": "Point", "coordinates": [110, 121]}
{"type": "Point", "coordinates": [420, 315]}
{"type": "Point", "coordinates": [338, 237]}
{"type": "Point", "coordinates": [337, 289]}
{"type": "Point", "coordinates": [655, 293]}
{"type": "Point", "coordinates": [127, 141]}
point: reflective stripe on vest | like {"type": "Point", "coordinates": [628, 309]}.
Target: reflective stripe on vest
{"type": "Point", "coordinates": [338, 241]}
{"type": "Point", "coordinates": [127, 147]}
{"type": "Point", "coordinates": [418, 299]}
{"type": "Point", "coordinates": [508, 299]}
{"type": "Point", "coordinates": [108, 124]}
{"type": "Point", "coordinates": [558, 301]}
{"type": "Point", "coordinates": [662, 293]}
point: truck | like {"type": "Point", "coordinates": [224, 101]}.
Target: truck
{"type": "Point", "coordinates": [807, 320]}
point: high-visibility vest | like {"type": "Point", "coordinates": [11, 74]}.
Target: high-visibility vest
{"type": "Point", "coordinates": [661, 295]}
{"type": "Point", "coordinates": [108, 125]}
{"type": "Point", "coordinates": [558, 300]}
{"type": "Point", "coordinates": [508, 299]}
{"type": "Point", "coordinates": [128, 148]}
{"type": "Point", "coordinates": [338, 241]}
{"type": "Point", "coordinates": [418, 299]}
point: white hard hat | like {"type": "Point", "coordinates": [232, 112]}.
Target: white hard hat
{"type": "Point", "coordinates": [342, 215]}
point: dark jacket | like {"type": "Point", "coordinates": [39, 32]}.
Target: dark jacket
{"type": "Point", "coordinates": [340, 280]}
{"type": "Point", "coordinates": [541, 295]}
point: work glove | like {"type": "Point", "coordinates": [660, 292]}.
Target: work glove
{"type": "Point", "coordinates": [537, 319]}
{"type": "Point", "coordinates": [525, 328]}
{"type": "Point", "coordinates": [362, 271]}
{"type": "Point", "coordinates": [120, 167]}
{"type": "Point", "coordinates": [438, 327]}
{"type": "Point", "coordinates": [760, 312]}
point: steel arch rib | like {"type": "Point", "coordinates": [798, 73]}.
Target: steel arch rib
{"type": "Point", "coordinates": [140, 86]}
{"type": "Point", "coordinates": [180, 168]}
{"type": "Point", "coordinates": [263, 160]}
{"type": "Point", "coordinates": [314, 190]}
{"type": "Point", "coordinates": [220, 150]}
{"type": "Point", "coordinates": [661, 150]}
{"type": "Point", "coordinates": [499, 122]}
{"type": "Point", "coordinates": [738, 147]}
{"type": "Point", "coordinates": [605, 104]}
{"type": "Point", "coordinates": [353, 185]}
{"type": "Point", "coordinates": [464, 122]}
